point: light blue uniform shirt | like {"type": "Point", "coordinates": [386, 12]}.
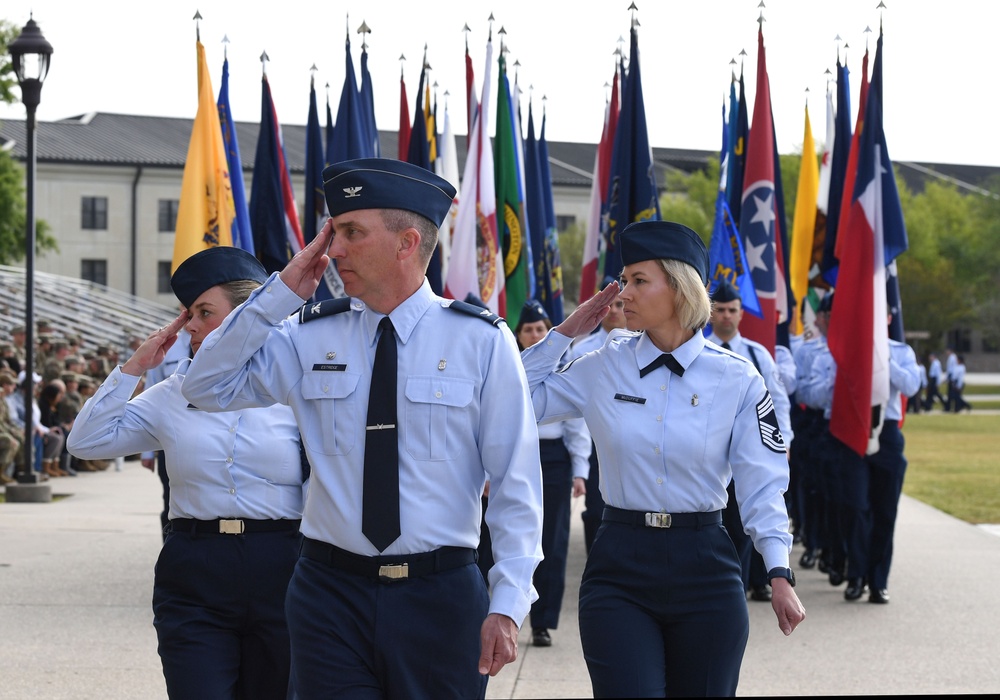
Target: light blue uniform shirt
{"type": "Point", "coordinates": [672, 444]}
{"type": "Point", "coordinates": [772, 379]}
{"type": "Point", "coordinates": [464, 417]}
{"type": "Point", "coordinates": [904, 377]}
{"type": "Point", "coordinates": [239, 464]}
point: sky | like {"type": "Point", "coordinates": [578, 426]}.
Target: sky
{"type": "Point", "coordinates": [139, 58]}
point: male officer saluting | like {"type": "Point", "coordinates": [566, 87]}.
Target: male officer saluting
{"type": "Point", "coordinates": [386, 599]}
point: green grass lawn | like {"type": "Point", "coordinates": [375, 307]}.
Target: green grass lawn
{"type": "Point", "coordinates": [954, 464]}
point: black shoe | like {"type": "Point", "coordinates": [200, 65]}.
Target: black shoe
{"type": "Point", "coordinates": [540, 637]}
{"type": "Point", "coordinates": [836, 577]}
{"type": "Point", "coordinates": [808, 559]}
{"type": "Point", "coordinates": [879, 595]}
{"type": "Point", "coordinates": [761, 594]}
{"type": "Point", "coordinates": [823, 565]}
{"type": "Point", "coordinates": [855, 589]}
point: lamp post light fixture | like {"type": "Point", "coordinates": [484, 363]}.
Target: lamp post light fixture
{"type": "Point", "coordinates": [30, 54]}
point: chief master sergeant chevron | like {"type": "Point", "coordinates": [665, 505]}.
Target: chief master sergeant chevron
{"type": "Point", "coordinates": [386, 599]}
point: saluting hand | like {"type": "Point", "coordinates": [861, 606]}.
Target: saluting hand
{"type": "Point", "coordinates": [587, 315]}
{"type": "Point", "coordinates": [303, 272]}
{"type": "Point", "coordinates": [152, 351]}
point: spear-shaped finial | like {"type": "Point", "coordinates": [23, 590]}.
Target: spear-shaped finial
{"type": "Point", "coordinates": [263, 62]}
{"type": "Point", "coordinates": [197, 26]}
{"type": "Point", "coordinates": [502, 33]}
{"type": "Point", "coordinates": [402, 59]}
{"type": "Point", "coordinates": [364, 31]}
{"type": "Point", "coordinates": [225, 47]}
{"type": "Point", "coordinates": [732, 62]}
{"type": "Point", "coordinates": [466, 30]}
{"type": "Point", "coordinates": [490, 37]}
{"type": "Point", "coordinates": [868, 30]}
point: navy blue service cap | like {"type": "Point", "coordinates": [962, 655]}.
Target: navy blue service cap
{"type": "Point", "coordinates": [725, 292]}
{"type": "Point", "coordinates": [664, 240]}
{"type": "Point", "coordinates": [386, 183]}
{"type": "Point", "coordinates": [213, 266]}
{"type": "Point", "coordinates": [532, 312]}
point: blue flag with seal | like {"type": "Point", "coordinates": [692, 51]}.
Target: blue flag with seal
{"type": "Point", "coordinates": [241, 233]}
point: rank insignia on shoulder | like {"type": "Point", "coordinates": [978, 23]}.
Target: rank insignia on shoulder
{"type": "Point", "coordinates": [477, 311]}
{"type": "Point", "coordinates": [311, 311]}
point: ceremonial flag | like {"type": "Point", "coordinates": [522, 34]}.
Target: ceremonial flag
{"type": "Point", "coordinates": [784, 300]}
{"type": "Point", "coordinates": [447, 167]}
{"type": "Point", "coordinates": [757, 222]}
{"type": "Point", "coordinates": [589, 281]}
{"type": "Point", "coordinates": [241, 234]}
{"type": "Point", "coordinates": [476, 266]}
{"type": "Point", "coordinates": [510, 217]}
{"type": "Point", "coordinates": [420, 154]}
{"type": "Point", "coordinates": [822, 207]}
{"type": "Point", "coordinates": [471, 101]}
{"type": "Point", "coordinates": [367, 107]}
{"type": "Point", "coordinates": [205, 213]}
{"type": "Point", "coordinates": [404, 120]}
{"type": "Point", "coordinates": [838, 171]}
{"type": "Point", "coordinates": [870, 240]}
{"type": "Point", "coordinates": [522, 189]}
{"type": "Point", "coordinates": [726, 257]}
{"type": "Point", "coordinates": [740, 131]}
{"type": "Point", "coordinates": [805, 220]}
{"type": "Point", "coordinates": [632, 194]}
{"type": "Point", "coordinates": [550, 250]}
{"type": "Point", "coordinates": [349, 139]}
{"type": "Point", "coordinates": [546, 265]}
{"type": "Point", "coordinates": [316, 214]}
{"type": "Point", "coordinates": [273, 211]}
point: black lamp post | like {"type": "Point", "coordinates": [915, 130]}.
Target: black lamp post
{"type": "Point", "coordinates": [30, 54]}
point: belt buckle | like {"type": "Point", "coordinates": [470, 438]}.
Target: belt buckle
{"type": "Point", "coordinates": [231, 527]}
{"type": "Point", "coordinates": [394, 572]}
{"type": "Point", "coordinates": [658, 520]}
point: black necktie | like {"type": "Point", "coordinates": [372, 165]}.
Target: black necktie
{"type": "Point", "coordinates": [664, 359]}
{"type": "Point", "coordinates": [380, 501]}
{"type": "Point", "coordinates": [726, 345]}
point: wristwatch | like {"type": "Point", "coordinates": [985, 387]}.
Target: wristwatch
{"type": "Point", "coordinates": [781, 572]}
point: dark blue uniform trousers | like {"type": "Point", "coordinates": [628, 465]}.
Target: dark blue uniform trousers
{"type": "Point", "coordinates": [887, 469]}
{"type": "Point", "coordinates": [358, 637]}
{"type": "Point", "coordinates": [751, 562]}
{"type": "Point", "coordinates": [593, 502]}
{"type": "Point", "coordinates": [219, 614]}
{"type": "Point", "coordinates": [663, 612]}
{"type": "Point", "coordinates": [849, 515]}
{"type": "Point", "coordinates": [557, 492]}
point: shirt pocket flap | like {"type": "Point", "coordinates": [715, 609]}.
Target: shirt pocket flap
{"type": "Point", "coordinates": [329, 385]}
{"type": "Point", "coordinates": [444, 391]}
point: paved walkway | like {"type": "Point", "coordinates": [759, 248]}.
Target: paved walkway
{"type": "Point", "coordinates": [76, 580]}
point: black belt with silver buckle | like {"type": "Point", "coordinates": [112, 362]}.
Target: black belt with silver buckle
{"type": "Point", "coordinates": [388, 568]}
{"type": "Point", "coordinates": [637, 518]}
{"type": "Point", "coordinates": [232, 526]}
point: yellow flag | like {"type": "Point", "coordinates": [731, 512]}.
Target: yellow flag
{"type": "Point", "coordinates": [206, 210]}
{"type": "Point", "coordinates": [804, 223]}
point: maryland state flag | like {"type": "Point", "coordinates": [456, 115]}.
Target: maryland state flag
{"type": "Point", "coordinates": [206, 210]}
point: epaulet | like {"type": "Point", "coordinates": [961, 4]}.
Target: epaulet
{"type": "Point", "coordinates": [477, 311]}
{"type": "Point", "coordinates": [313, 310]}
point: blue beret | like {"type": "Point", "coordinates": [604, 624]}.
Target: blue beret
{"type": "Point", "coordinates": [385, 183]}
{"type": "Point", "coordinates": [725, 292]}
{"type": "Point", "coordinates": [532, 312]}
{"type": "Point", "coordinates": [213, 266]}
{"type": "Point", "coordinates": [664, 240]}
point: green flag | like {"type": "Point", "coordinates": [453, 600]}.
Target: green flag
{"type": "Point", "coordinates": [510, 215]}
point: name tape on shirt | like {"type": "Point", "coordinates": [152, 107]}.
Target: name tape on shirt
{"type": "Point", "coordinates": [629, 399]}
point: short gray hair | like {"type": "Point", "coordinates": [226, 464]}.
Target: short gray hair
{"type": "Point", "coordinates": [397, 220]}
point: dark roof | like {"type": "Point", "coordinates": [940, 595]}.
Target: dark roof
{"type": "Point", "coordinates": [133, 140]}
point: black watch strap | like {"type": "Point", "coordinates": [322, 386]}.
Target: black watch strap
{"type": "Point", "coordinates": [781, 572]}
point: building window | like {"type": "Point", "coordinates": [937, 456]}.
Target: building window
{"type": "Point", "coordinates": [163, 277]}
{"type": "Point", "coordinates": [167, 216]}
{"type": "Point", "coordinates": [563, 222]}
{"type": "Point", "coordinates": [991, 346]}
{"type": "Point", "coordinates": [94, 213]}
{"type": "Point", "coordinates": [95, 271]}
{"type": "Point", "coordinates": [960, 340]}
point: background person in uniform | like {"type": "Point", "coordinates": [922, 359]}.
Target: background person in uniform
{"type": "Point", "coordinates": [674, 417]}
{"type": "Point", "coordinates": [386, 599]}
{"type": "Point", "coordinates": [950, 363]}
{"type": "Point", "coordinates": [564, 448]}
{"type": "Point", "coordinates": [933, 382]}
{"type": "Point", "coordinates": [593, 501]}
{"type": "Point", "coordinates": [915, 403]}
{"type": "Point", "coordinates": [727, 312]}
{"type": "Point", "coordinates": [956, 386]}
{"type": "Point", "coordinates": [886, 469]}
{"type": "Point", "coordinates": [221, 577]}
